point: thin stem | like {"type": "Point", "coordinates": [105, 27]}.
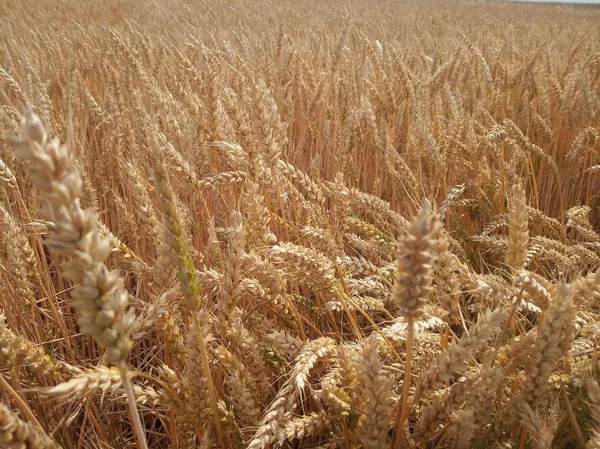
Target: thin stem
{"type": "Point", "coordinates": [211, 386]}
{"type": "Point", "coordinates": [572, 417]}
{"type": "Point", "coordinates": [523, 438]}
{"type": "Point", "coordinates": [20, 402]}
{"type": "Point", "coordinates": [82, 429]}
{"type": "Point", "coordinates": [403, 409]}
{"type": "Point", "coordinates": [407, 372]}
{"type": "Point", "coordinates": [136, 422]}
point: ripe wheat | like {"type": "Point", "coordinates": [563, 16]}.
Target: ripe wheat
{"type": "Point", "coordinates": [269, 224]}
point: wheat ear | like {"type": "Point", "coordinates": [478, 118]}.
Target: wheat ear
{"type": "Point", "coordinates": [99, 295]}
{"type": "Point", "coordinates": [18, 434]}
{"type": "Point", "coordinates": [412, 289]}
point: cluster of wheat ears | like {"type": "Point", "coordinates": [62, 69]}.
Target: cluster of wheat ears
{"type": "Point", "coordinates": [262, 224]}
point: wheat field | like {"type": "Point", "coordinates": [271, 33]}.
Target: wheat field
{"type": "Point", "coordinates": [268, 223]}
